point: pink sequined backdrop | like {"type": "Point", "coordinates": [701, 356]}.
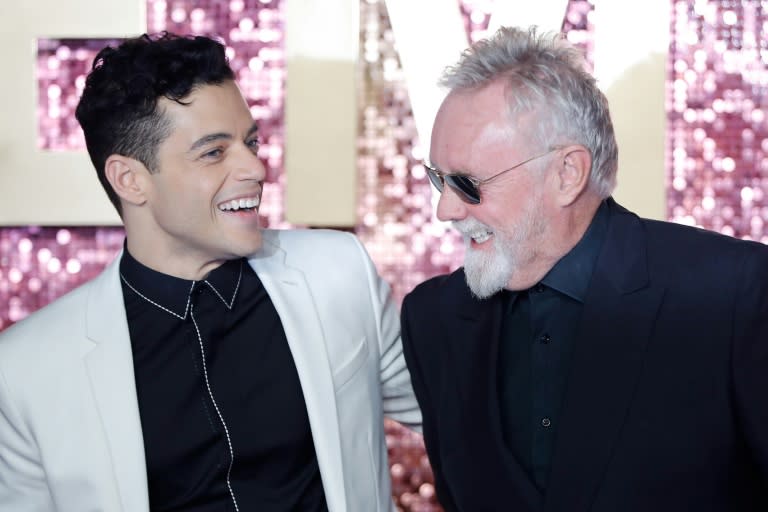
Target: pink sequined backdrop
{"type": "Point", "coordinates": [717, 101]}
{"type": "Point", "coordinates": [717, 162]}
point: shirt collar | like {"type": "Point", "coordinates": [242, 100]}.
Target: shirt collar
{"type": "Point", "coordinates": [172, 293]}
{"type": "Point", "coordinates": [572, 273]}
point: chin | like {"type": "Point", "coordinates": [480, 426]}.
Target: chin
{"type": "Point", "coordinates": [242, 247]}
{"type": "Point", "coordinates": [250, 249]}
{"type": "Point", "coordinates": [486, 276]}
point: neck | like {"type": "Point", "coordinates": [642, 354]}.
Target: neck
{"type": "Point", "coordinates": [557, 239]}
{"type": "Point", "coordinates": [182, 264]}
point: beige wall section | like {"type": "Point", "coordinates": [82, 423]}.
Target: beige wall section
{"type": "Point", "coordinates": [321, 143]}
{"type": "Point", "coordinates": [40, 187]}
{"type": "Point", "coordinates": [321, 44]}
{"type": "Point", "coordinates": [639, 118]}
{"type": "Point", "coordinates": [631, 46]}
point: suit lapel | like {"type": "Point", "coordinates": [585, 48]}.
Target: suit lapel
{"type": "Point", "coordinates": [290, 294]}
{"type": "Point", "coordinates": [473, 355]}
{"type": "Point", "coordinates": [109, 363]}
{"type": "Point", "coordinates": [617, 321]}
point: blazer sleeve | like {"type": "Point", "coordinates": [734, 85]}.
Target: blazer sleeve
{"type": "Point", "coordinates": [23, 484]}
{"type": "Point", "coordinates": [398, 399]}
{"type": "Point", "coordinates": [750, 356]}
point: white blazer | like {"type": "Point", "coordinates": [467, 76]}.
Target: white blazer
{"type": "Point", "coordinates": [70, 433]}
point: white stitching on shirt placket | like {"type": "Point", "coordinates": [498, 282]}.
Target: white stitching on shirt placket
{"type": "Point", "coordinates": [189, 309]}
{"type": "Point", "coordinates": [216, 406]}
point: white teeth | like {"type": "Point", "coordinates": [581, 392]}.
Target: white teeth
{"type": "Point", "coordinates": [237, 204]}
{"type": "Point", "coordinates": [473, 230]}
{"type": "Point", "coordinates": [480, 237]}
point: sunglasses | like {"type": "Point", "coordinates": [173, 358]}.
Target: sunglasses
{"type": "Point", "coordinates": [468, 187]}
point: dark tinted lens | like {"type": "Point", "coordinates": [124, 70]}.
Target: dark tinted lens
{"type": "Point", "coordinates": [466, 189]}
{"type": "Point", "coordinates": [436, 180]}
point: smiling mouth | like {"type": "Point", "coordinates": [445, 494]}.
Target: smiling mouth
{"type": "Point", "coordinates": [244, 204]}
{"type": "Point", "coordinates": [480, 237]}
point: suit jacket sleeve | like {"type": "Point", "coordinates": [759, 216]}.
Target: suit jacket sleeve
{"type": "Point", "coordinates": [750, 356]}
{"type": "Point", "coordinates": [398, 399]}
{"type": "Point", "coordinates": [23, 486]}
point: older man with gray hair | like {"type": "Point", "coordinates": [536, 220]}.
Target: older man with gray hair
{"type": "Point", "coordinates": [584, 358]}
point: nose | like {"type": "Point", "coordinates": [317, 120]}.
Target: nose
{"type": "Point", "coordinates": [249, 166]}
{"type": "Point", "coordinates": [450, 207]}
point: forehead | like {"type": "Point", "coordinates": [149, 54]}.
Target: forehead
{"type": "Point", "coordinates": [470, 126]}
{"type": "Point", "coordinates": [210, 107]}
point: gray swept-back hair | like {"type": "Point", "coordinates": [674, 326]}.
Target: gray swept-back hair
{"type": "Point", "coordinates": [545, 75]}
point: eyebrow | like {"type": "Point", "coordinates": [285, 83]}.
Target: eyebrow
{"type": "Point", "coordinates": [253, 129]}
{"type": "Point", "coordinates": [211, 137]}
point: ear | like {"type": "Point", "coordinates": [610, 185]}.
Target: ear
{"type": "Point", "coordinates": [573, 173]}
{"type": "Point", "coordinates": [126, 175]}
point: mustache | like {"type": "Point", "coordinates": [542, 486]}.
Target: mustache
{"type": "Point", "coordinates": [469, 225]}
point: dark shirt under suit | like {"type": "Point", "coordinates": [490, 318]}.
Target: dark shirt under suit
{"type": "Point", "coordinates": [223, 417]}
{"type": "Point", "coordinates": [537, 335]}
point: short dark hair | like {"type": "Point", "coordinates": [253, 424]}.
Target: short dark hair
{"type": "Point", "coordinates": [118, 109]}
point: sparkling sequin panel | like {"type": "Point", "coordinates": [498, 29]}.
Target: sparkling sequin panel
{"type": "Point", "coordinates": [717, 102]}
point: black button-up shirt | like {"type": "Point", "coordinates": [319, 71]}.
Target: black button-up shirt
{"type": "Point", "coordinates": [539, 330]}
{"type": "Point", "coordinates": [222, 412]}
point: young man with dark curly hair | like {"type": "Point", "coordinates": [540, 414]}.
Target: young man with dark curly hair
{"type": "Point", "coordinates": [214, 365]}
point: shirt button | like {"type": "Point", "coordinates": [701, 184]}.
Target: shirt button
{"type": "Point", "coordinates": [545, 338]}
{"type": "Point", "coordinates": [539, 288]}
{"type": "Point", "coordinates": [546, 423]}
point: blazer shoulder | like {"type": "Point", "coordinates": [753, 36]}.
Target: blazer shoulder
{"type": "Point", "coordinates": [667, 240]}
{"type": "Point", "coordinates": [333, 260]}
{"type": "Point", "coordinates": [47, 325]}
{"type": "Point", "coordinates": [312, 242]}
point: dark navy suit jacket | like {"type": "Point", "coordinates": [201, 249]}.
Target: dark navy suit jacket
{"type": "Point", "coordinates": [666, 403]}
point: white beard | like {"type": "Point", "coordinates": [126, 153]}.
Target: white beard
{"type": "Point", "coordinates": [488, 272]}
